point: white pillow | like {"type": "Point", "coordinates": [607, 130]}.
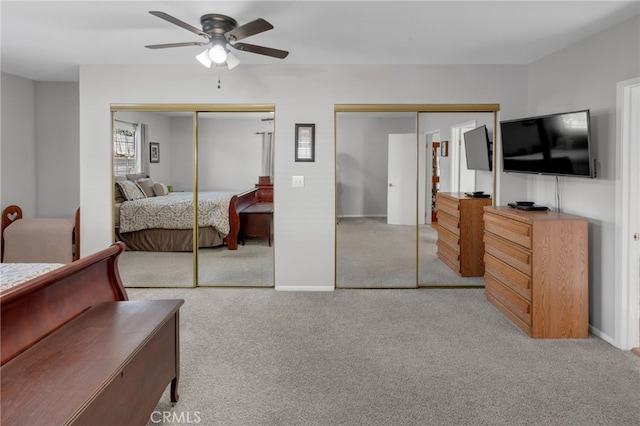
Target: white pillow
{"type": "Point", "coordinates": [160, 189]}
{"type": "Point", "coordinates": [130, 190]}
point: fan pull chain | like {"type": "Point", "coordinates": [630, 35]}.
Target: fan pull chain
{"type": "Point", "coordinates": [218, 77]}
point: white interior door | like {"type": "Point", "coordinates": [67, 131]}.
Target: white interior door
{"type": "Point", "coordinates": [634, 208]}
{"type": "Point", "coordinates": [628, 205]}
{"type": "Point", "coordinates": [464, 179]}
{"type": "Point", "coordinates": [402, 180]}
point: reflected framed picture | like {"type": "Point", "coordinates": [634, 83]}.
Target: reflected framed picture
{"type": "Point", "coordinates": [305, 142]}
{"type": "Point", "coordinates": [154, 152]}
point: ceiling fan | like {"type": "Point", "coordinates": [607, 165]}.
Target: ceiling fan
{"type": "Point", "coordinates": [221, 32]}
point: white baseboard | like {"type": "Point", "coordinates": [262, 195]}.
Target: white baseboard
{"type": "Point", "coordinates": [352, 216]}
{"type": "Point", "coordinates": [305, 288]}
{"type": "Point", "coordinates": [603, 336]}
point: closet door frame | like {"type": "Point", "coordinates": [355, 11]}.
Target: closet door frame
{"type": "Point", "coordinates": [417, 109]}
{"type": "Point", "coordinates": [194, 109]}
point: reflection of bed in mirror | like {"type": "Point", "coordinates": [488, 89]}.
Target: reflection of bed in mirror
{"type": "Point", "coordinates": [149, 219]}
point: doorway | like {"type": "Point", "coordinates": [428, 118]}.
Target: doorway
{"type": "Point", "coordinates": [628, 205]}
{"type": "Point", "coordinates": [431, 178]}
{"type": "Point", "coordinates": [401, 179]}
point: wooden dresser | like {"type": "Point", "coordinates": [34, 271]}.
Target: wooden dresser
{"type": "Point", "coordinates": [536, 270]}
{"type": "Point", "coordinates": [460, 231]}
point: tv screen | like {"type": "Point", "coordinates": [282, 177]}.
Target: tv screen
{"type": "Point", "coordinates": [478, 149]}
{"type": "Point", "coordinates": [556, 144]}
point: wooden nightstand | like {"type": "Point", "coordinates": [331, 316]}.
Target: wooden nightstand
{"type": "Point", "coordinates": [257, 221]}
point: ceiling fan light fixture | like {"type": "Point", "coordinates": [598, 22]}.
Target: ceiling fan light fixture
{"type": "Point", "coordinates": [232, 61]}
{"type": "Point", "coordinates": [219, 30]}
{"type": "Point", "coordinates": [204, 59]}
{"type": "Point", "coordinates": [218, 54]}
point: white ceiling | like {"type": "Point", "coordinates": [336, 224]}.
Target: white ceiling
{"type": "Point", "coordinates": [48, 40]}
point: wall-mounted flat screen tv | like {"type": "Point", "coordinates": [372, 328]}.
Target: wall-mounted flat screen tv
{"type": "Point", "coordinates": [555, 144]}
{"type": "Point", "coordinates": [478, 149]}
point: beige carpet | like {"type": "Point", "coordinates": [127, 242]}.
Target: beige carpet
{"type": "Point", "coordinates": [425, 357]}
{"type": "Point", "coordinates": [251, 265]}
{"type": "Point", "coordinates": [372, 254]}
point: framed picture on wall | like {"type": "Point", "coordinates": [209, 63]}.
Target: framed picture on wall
{"type": "Point", "coordinates": [305, 142]}
{"type": "Point", "coordinates": [154, 152]}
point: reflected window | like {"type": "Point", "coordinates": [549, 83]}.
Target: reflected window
{"type": "Point", "coordinates": [128, 148]}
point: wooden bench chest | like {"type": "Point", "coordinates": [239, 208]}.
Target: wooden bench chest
{"type": "Point", "coordinates": [76, 351]}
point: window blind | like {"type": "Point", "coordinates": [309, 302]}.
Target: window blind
{"type": "Point", "coordinates": [126, 155]}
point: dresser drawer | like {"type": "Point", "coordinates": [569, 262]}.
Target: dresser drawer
{"type": "Point", "coordinates": [508, 276]}
{"type": "Point", "coordinates": [448, 237]}
{"type": "Point", "coordinates": [509, 229]}
{"type": "Point", "coordinates": [449, 255]}
{"type": "Point", "coordinates": [508, 253]}
{"type": "Point", "coordinates": [449, 222]}
{"type": "Point", "coordinates": [448, 206]}
{"type": "Point", "coordinates": [510, 300]}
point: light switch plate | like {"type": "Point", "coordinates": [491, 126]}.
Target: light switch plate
{"type": "Point", "coordinates": [297, 181]}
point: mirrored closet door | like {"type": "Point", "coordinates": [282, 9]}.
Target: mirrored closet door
{"type": "Point", "coordinates": [376, 178]}
{"type": "Point", "coordinates": [195, 168]}
{"type": "Point", "coordinates": [392, 161]}
{"type": "Point", "coordinates": [235, 157]}
{"type": "Point", "coordinates": [451, 168]}
{"type": "Point", "coordinates": [156, 158]}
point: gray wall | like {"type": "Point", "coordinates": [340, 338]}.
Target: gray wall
{"type": "Point", "coordinates": [580, 77]}
{"type": "Point", "coordinates": [362, 160]}
{"type": "Point", "coordinates": [58, 148]}
{"type": "Point", "coordinates": [18, 180]}
{"type": "Point", "coordinates": [40, 147]}
{"type": "Point", "coordinates": [230, 151]}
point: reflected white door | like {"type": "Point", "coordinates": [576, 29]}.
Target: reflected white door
{"type": "Point", "coordinates": [464, 180]}
{"type": "Point", "coordinates": [634, 207]}
{"type": "Point", "coordinates": [401, 179]}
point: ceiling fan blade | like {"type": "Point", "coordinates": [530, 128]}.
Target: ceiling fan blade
{"type": "Point", "coordinates": [261, 50]}
{"type": "Point", "coordinates": [164, 46]}
{"type": "Point", "coordinates": [248, 29]}
{"type": "Point", "coordinates": [179, 23]}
